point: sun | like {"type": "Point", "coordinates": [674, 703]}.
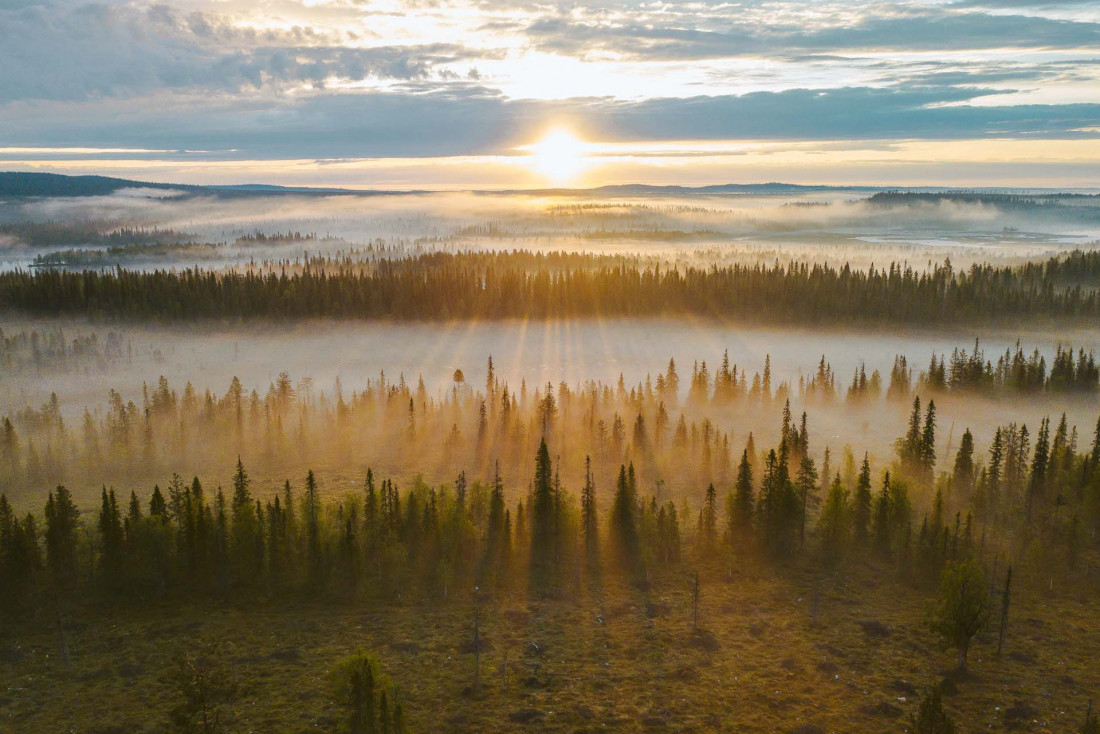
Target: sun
{"type": "Point", "coordinates": [559, 156]}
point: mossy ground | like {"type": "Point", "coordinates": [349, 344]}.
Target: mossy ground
{"type": "Point", "coordinates": [629, 663]}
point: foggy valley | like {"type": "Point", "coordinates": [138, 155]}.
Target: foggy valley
{"type": "Point", "coordinates": [473, 367]}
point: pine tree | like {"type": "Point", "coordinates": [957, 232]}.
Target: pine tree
{"type": "Point", "coordinates": [245, 529]}
{"type": "Point", "coordinates": [496, 541]}
{"type": "Point", "coordinates": [963, 475]}
{"type": "Point", "coordinates": [740, 516]}
{"type": "Point", "coordinates": [927, 455]}
{"type": "Point", "coordinates": [111, 538]}
{"type": "Point", "coordinates": [313, 531]}
{"type": "Point", "coordinates": [883, 525]}
{"type": "Point", "coordinates": [962, 610]}
{"type": "Point", "coordinates": [589, 520]}
{"type": "Point", "coordinates": [542, 567]}
{"type": "Point", "coordinates": [624, 529]}
{"type": "Point", "coordinates": [806, 486]}
{"type": "Point", "coordinates": [835, 523]}
{"type": "Point", "coordinates": [861, 510]}
{"type": "Point", "coordinates": [62, 522]}
{"type": "Point", "coordinates": [931, 718]}
{"type": "Point", "coordinates": [1037, 482]}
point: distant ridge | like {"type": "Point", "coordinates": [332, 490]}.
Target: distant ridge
{"type": "Point", "coordinates": [19, 184]}
{"type": "Point", "coordinates": [55, 184]}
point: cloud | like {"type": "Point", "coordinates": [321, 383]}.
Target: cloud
{"type": "Point", "coordinates": [476, 121]}
{"type": "Point", "coordinates": [93, 51]}
{"type": "Point", "coordinates": [279, 78]}
{"type": "Point", "coordinates": [899, 31]}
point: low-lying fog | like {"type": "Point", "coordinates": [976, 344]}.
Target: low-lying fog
{"type": "Point", "coordinates": [541, 352]}
{"type": "Point", "coordinates": [833, 226]}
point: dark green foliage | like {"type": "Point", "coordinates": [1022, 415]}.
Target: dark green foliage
{"type": "Point", "coordinates": [1092, 722]}
{"type": "Point", "coordinates": [624, 534]}
{"type": "Point", "coordinates": [931, 718]}
{"type": "Point", "coordinates": [62, 519]}
{"type": "Point", "coordinates": [861, 511]}
{"type": "Point", "coordinates": [589, 518]}
{"type": "Point", "coordinates": [779, 510]}
{"type": "Point", "coordinates": [498, 285]}
{"type": "Point", "coordinates": [206, 689]}
{"type": "Point", "coordinates": [544, 576]}
{"type": "Point", "coordinates": [963, 473]}
{"type": "Point", "coordinates": [962, 609]}
{"type": "Point", "coordinates": [835, 523]}
{"type": "Point", "coordinates": [367, 696]}
{"type": "Point", "coordinates": [741, 510]}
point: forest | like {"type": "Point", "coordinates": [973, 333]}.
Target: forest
{"type": "Point", "coordinates": [494, 286]}
{"type": "Point", "coordinates": [589, 507]}
{"type": "Point", "coordinates": [808, 460]}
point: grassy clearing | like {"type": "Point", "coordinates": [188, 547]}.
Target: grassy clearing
{"type": "Point", "coordinates": [623, 660]}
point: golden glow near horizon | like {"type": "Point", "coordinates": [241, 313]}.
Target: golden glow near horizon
{"type": "Point", "coordinates": [559, 156]}
{"type": "Point", "coordinates": [439, 94]}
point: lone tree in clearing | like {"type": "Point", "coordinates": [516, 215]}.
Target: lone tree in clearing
{"type": "Point", "coordinates": [931, 718]}
{"type": "Point", "coordinates": [962, 611]}
{"type": "Point", "coordinates": [362, 690]}
{"type": "Point", "coordinates": [206, 689]}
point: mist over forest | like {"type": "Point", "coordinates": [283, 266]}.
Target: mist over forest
{"type": "Point", "coordinates": [541, 452]}
{"type": "Point", "coordinates": [165, 228]}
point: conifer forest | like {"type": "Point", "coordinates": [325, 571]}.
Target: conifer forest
{"type": "Point", "coordinates": [777, 461]}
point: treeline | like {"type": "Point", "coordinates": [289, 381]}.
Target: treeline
{"type": "Point", "coordinates": [492, 285]}
{"type": "Point", "coordinates": [50, 350]}
{"type": "Point", "coordinates": [115, 254]}
{"type": "Point", "coordinates": [680, 433]}
{"type": "Point", "coordinates": [1002, 200]}
{"type": "Point", "coordinates": [1040, 506]}
{"type": "Point", "coordinates": [89, 232]}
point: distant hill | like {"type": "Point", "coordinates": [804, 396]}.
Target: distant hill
{"type": "Point", "coordinates": [21, 184]}
{"type": "Point", "coordinates": [54, 184]}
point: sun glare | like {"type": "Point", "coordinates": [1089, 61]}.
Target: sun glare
{"type": "Point", "coordinates": [559, 156]}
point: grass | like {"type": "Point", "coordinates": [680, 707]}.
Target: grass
{"type": "Point", "coordinates": [622, 661]}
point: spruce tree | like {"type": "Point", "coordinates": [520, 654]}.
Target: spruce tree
{"type": "Point", "coordinates": [542, 567]}
{"type": "Point", "coordinates": [62, 522]}
{"type": "Point", "coordinates": [740, 516]}
{"type": "Point", "coordinates": [624, 529]}
{"type": "Point", "coordinates": [861, 509]}
{"type": "Point", "coordinates": [589, 519]}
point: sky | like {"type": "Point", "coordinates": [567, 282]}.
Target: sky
{"type": "Point", "coordinates": [506, 93]}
